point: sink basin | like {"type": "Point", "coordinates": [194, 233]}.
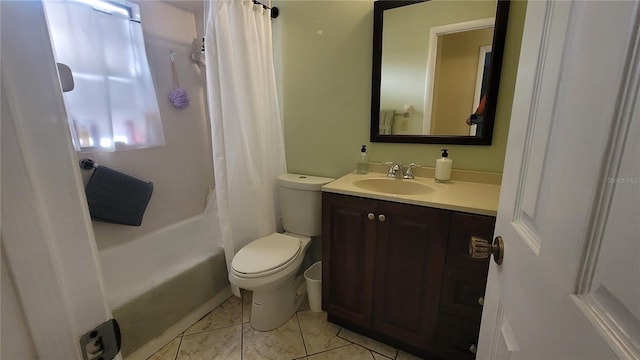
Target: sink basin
{"type": "Point", "coordinates": [393, 186]}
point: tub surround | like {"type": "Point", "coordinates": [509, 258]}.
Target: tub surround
{"type": "Point", "coordinates": [176, 197]}
{"type": "Point", "coordinates": [157, 310]}
{"type": "Point", "coordinates": [468, 191]}
{"type": "Point", "coordinates": [156, 294]}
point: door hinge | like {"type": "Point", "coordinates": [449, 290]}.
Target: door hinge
{"type": "Point", "coordinates": [101, 343]}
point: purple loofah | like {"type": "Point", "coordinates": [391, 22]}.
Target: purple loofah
{"type": "Point", "coordinates": [178, 95]}
{"type": "Point", "coordinates": [179, 98]}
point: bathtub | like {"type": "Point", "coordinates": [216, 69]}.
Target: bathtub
{"type": "Point", "coordinates": [161, 283]}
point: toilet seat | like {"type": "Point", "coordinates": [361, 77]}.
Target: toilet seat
{"type": "Point", "coordinates": [266, 255]}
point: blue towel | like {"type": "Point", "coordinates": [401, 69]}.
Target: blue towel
{"type": "Point", "coordinates": [116, 197]}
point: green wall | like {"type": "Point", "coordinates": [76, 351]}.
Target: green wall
{"type": "Point", "coordinates": [323, 59]}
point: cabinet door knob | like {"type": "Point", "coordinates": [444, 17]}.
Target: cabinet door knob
{"type": "Point", "coordinates": [371, 216]}
{"type": "Point", "coordinates": [381, 217]}
{"type": "Point", "coordinates": [473, 348]}
{"type": "Point", "coordinates": [481, 300]}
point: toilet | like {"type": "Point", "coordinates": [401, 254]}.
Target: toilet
{"type": "Point", "coordinates": [269, 266]}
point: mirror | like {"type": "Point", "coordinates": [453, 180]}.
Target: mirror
{"type": "Point", "coordinates": [436, 70]}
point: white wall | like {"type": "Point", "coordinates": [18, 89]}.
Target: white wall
{"type": "Point", "coordinates": [15, 339]}
{"type": "Point", "coordinates": [181, 171]}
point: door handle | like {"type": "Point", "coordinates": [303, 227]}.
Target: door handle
{"type": "Point", "coordinates": [371, 216]}
{"type": "Point", "coordinates": [480, 248]}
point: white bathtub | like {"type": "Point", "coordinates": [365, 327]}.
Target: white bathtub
{"type": "Point", "coordinates": [160, 284]}
{"type": "Point", "coordinates": [133, 268]}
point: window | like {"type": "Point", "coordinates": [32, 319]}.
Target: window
{"type": "Point", "coordinates": [113, 105]}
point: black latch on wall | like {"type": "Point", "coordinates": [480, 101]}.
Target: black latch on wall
{"type": "Point", "coordinates": [101, 343]}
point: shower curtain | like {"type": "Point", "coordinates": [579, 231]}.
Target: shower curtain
{"type": "Point", "coordinates": [246, 125]}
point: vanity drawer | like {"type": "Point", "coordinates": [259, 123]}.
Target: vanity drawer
{"type": "Point", "coordinates": [463, 293]}
{"type": "Point", "coordinates": [456, 338]}
{"type": "Point", "coordinates": [461, 228]}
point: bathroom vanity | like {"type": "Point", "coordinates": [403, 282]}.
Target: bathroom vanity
{"type": "Point", "coordinates": [396, 264]}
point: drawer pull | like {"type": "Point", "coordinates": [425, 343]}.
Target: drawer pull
{"type": "Point", "coordinates": [371, 216]}
{"type": "Point", "coordinates": [381, 217]}
{"type": "Point", "coordinates": [481, 301]}
{"type": "Point", "coordinates": [473, 348]}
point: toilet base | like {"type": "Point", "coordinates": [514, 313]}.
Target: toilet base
{"type": "Point", "coordinates": [274, 307]}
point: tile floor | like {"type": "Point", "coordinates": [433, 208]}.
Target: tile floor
{"type": "Point", "coordinates": [225, 333]}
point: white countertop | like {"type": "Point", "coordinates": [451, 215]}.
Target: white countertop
{"type": "Point", "coordinates": [469, 197]}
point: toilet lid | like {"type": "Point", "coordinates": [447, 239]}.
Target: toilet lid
{"type": "Point", "coordinates": [266, 253]}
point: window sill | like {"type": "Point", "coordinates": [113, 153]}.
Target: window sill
{"type": "Point", "coordinates": [118, 147]}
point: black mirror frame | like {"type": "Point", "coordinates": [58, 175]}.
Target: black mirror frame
{"type": "Point", "coordinates": [499, 36]}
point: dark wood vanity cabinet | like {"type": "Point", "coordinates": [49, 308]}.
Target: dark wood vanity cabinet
{"type": "Point", "coordinates": [401, 273]}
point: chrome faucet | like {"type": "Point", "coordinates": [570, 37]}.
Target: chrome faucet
{"type": "Point", "coordinates": [409, 173]}
{"type": "Point", "coordinates": [395, 170]}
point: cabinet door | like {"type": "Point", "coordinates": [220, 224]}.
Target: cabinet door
{"type": "Point", "coordinates": [348, 255]}
{"type": "Point", "coordinates": [411, 250]}
{"type": "Point", "coordinates": [463, 227]}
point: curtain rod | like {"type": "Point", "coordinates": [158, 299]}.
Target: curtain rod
{"type": "Point", "coordinates": [274, 10]}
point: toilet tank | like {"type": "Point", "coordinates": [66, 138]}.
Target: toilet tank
{"type": "Point", "coordinates": [300, 202]}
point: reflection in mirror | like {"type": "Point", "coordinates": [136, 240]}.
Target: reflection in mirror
{"type": "Point", "coordinates": [438, 64]}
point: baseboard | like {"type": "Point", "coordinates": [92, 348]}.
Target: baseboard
{"type": "Point", "coordinates": [151, 347]}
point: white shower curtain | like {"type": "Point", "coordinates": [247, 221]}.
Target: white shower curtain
{"type": "Point", "coordinates": [246, 125]}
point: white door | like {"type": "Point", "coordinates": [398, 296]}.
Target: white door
{"type": "Point", "coordinates": [47, 239]}
{"type": "Point", "coordinates": [569, 208]}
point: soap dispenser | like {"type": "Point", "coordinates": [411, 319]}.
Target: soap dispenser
{"type": "Point", "coordinates": [362, 164]}
{"type": "Point", "coordinates": [443, 167]}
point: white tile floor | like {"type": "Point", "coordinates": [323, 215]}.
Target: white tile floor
{"type": "Point", "coordinates": [225, 333]}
